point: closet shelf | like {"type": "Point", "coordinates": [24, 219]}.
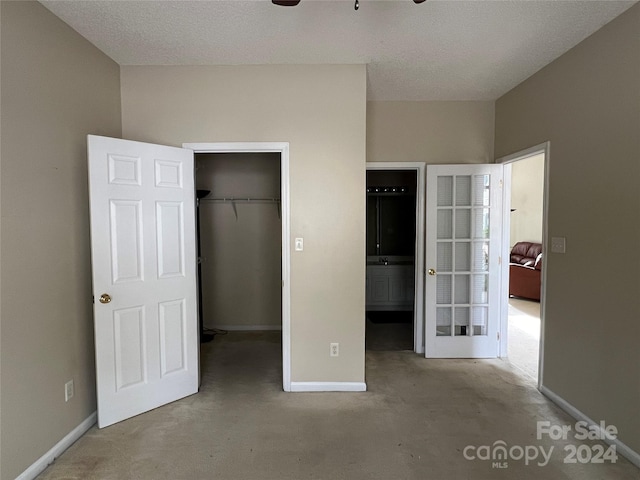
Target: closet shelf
{"type": "Point", "coordinates": [233, 201]}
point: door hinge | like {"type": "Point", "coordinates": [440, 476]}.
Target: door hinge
{"type": "Point", "coordinates": [498, 335]}
{"type": "Point", "coordinates": [499, 259]}
{"type": "Point", "coordinates": [501, 183]}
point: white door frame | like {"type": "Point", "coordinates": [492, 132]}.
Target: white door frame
{"type": "Point", "coordinates": [283, 149]}
{"type": "Point", "coordinates": [544, 148]}
{"type": "Point", "coordinates": [418, 310]}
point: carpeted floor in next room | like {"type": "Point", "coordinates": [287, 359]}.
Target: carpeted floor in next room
{"type": "Point", "coordinates": [413, 423]}
{"type": "Point", "coordinates": [524, 335]}
{"type": "Point", "coordinates": [389, 331]}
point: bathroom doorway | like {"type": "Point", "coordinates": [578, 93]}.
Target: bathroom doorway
{"type": "Point", "coordinates": [394, 257]}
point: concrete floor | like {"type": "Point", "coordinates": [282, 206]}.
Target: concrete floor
{"type": "Point", "coordinates": [413, 423]}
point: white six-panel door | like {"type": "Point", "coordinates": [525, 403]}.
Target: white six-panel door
{"type": "Point", "coordinates": [142, 208]}
{"type": "Point", "coordinates": [463, 248]}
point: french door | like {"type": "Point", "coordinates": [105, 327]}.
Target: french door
{"type": "Point", "coordinates": [463, 247]}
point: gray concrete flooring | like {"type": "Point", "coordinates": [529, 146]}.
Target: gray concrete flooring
{"type": "Point", "coordinates": [413, 423]}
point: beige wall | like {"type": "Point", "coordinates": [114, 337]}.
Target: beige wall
{"type": "Point", "coordinates": [242, 246]}
{"type": "Point", "coordinates": [527, 192]}
{"type": "Point", "coordinates": [56, 88]}
{"type": "Point", "coordinates": [432, 132]}
{"type": "Point", "coordinates": [587, 104]}
{"type": "Point", "coordinates": [321, 112]}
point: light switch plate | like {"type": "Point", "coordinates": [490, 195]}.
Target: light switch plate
{"type": "Point", "coordinates": [558, 244]}
{"type": "Point", "coordinates": [299, 244]}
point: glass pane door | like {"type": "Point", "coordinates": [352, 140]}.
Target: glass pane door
{"type": "Point", "coordinates": [463, 245]}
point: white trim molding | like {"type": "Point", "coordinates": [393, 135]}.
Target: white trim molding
{"type": "Point", "coordinates": [285, 203]}
{"type": "Point", "coordinates": [621, 448]}
{"type": "Point", "coordinates": [48, 458]}
{"type": "Point", "coordinates": [418, 310]}
{"type": "Point", "coordinates": [328, 387]}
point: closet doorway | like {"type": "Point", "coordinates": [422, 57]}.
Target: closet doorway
{"type": "Point", "coordinates": [243, 213]}
{"type": "Point", "coordinates": [395, 256]}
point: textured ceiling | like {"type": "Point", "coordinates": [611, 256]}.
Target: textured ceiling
{"type": "Point", "coordinates": [438, 50]}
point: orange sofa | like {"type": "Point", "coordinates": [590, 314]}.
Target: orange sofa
{"type": "Point", "coordinates": [525, 270]}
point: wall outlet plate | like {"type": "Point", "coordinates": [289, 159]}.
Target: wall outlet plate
{"type": "Point", "coordinates": [334, 349]}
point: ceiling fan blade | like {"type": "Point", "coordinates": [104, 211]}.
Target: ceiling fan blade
{"type": "Point", "coordinates": [286, 3]}
{"type": "Point", "coordinates": [418, 1]}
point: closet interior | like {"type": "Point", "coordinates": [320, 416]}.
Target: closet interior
{"type": "Point", "coordinates": [240, 242]}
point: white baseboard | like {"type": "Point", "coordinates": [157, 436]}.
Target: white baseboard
{"type": "Point", "coordinates": [232, 328]}
{"type": "Point", "coordinates": [621, 448]}
{"type": "Point", "coordinates": [45, 460]}
{"type": "Point", "coordinates": [328, 387]}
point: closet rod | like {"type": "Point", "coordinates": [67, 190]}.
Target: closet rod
{"type": "Point", "coordinates": [263, 200]}
{"type": "Point", "coordinates": [234, 201]}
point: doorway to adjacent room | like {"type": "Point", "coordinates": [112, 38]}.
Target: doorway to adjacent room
{"type": "Point", "coordinates": [526, 200]}
{"type": "Point", "coordinates": [394, 256]}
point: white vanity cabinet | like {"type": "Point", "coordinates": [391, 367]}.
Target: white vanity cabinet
{"type": "Point", "coordinates": [390, 287]}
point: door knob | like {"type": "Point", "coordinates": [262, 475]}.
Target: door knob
{"type": "Point", "coordinates": [105, 298]}
{"type": "Point", "coordinates": [431, 272]}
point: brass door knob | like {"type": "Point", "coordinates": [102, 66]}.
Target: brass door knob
{"type": "Point", "coordinates": [105, 298]}
{"type": "Point", "coordinates": [432, 271]}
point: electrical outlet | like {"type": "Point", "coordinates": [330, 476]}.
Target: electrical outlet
{"type": "Point", "coordinates": [334, 349]}
{"type": "Point", "coordinates": [68, 390]}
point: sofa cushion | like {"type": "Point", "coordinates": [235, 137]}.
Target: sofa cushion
{"type": "Point", "coordinates": [534, 250]}
{"type": "Point", "coordinates": [521, 248]}
{"type": "Point", "coordinates": [527, 253]}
